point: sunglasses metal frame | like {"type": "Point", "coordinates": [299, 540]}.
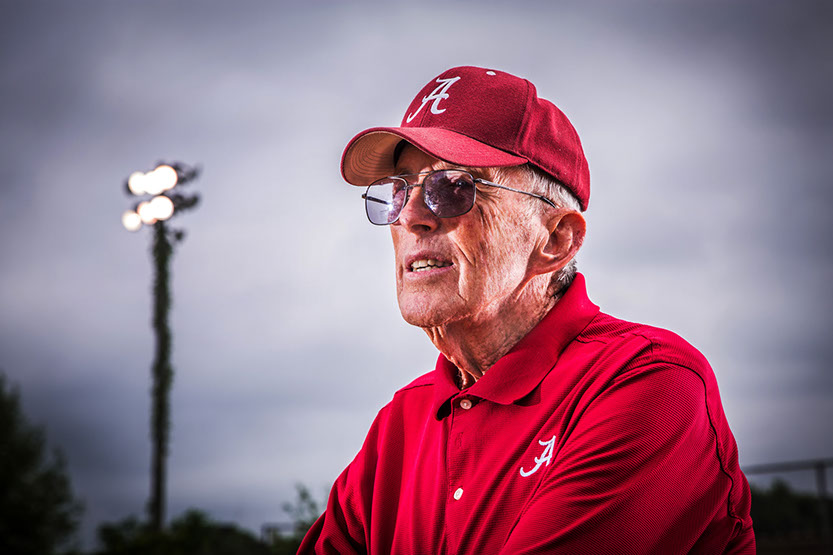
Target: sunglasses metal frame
{"type": "Point", "coordinates": [409, 186]}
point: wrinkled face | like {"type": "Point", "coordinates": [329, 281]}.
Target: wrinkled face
{"type": "Point", "coordinates": [464, 268]}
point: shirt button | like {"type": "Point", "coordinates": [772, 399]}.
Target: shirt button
{"type": "Point", "coordinates": [458, 494]}
{"type": "Point", "coordinates": [465, 404]}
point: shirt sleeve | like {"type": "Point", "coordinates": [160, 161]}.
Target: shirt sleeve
{"type": "Point", "coordinates": [639, 472]}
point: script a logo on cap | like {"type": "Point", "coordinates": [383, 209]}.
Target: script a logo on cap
{"type": "Point", "coordinates": [440, 93]}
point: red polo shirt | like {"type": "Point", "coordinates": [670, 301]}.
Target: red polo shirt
{"type": "Point", "coordinates": [592, 435]}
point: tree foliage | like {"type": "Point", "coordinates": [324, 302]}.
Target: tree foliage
{"type": "Point", "coordinates": [193, 533]}
{"type": "Point", "coordinates": [780, 514]}
{"type": "Point", "coordinates": [304, 512]}
{"type": "Point", "coordinates": [38, 512]}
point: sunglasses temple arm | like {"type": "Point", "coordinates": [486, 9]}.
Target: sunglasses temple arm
{"type": "Point", "coordinates": [491, 184]}
{"type": "Point", "coordinates": [374, 199]}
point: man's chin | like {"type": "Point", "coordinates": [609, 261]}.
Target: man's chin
{"type": "Point", "coordinates": [427, 313]}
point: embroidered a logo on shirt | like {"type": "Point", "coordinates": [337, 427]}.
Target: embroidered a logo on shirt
{"type": "Point", "coordinates": [440, 93]}
{"type": "Point", "coordinates": [544, 459]}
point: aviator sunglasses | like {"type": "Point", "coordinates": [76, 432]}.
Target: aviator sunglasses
{"type": "Point", "coordinates": [447, 194]}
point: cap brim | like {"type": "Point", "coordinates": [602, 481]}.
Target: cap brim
{"type": "Point", "coordinates": [369, 156]}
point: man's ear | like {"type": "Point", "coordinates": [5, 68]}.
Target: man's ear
{"type": "Point", "coordinates": [566, 235]}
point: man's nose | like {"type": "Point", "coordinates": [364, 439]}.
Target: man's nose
{"type": "Point", "coordinates": [415, 215]}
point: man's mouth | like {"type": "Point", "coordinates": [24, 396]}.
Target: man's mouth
{"type": "Point", "coordinates": [426, 264]}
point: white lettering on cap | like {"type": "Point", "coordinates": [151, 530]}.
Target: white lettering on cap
{"type": "Point", "coordinates": [440, 93]}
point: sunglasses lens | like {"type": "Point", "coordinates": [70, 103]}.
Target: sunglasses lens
{"type": "Point", "coordinates": [449, 193]}
{"type": "Point", "coordinates": [384, 200]}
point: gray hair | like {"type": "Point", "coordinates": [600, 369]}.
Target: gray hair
{"type": "Point", "coordinates": [541, 183]}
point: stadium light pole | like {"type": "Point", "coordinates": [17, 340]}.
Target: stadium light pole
{"type": "Point", "coordinates": [161, 200]}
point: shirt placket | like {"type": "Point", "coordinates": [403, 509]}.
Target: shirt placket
{"type": "Point", "coordinates": [460, 466]}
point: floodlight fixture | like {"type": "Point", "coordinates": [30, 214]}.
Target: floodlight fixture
{"type": "Point", "coordinates": [159, 184]}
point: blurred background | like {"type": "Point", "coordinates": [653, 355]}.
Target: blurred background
{"type": "Point", "coordinates": [708, 127]}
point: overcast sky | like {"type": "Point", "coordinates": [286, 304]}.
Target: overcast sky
{"type": "Point", "coordinates": [709, 132]}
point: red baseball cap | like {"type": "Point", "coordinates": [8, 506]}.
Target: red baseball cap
{"type": "Point", "coordinates": [476, 117]}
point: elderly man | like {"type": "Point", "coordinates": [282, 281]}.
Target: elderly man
{"type": "Point", "coordinates": [547, 426]}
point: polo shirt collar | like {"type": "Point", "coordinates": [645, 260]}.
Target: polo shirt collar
{"type": "Point", "coordinates": [520, 370]}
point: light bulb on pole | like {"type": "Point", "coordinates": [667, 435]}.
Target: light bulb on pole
{"type": "Point", "coordinates": [131, 220]}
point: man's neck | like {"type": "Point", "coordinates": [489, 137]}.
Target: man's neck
{"type": "Point", "coordinates": [474, 346]}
